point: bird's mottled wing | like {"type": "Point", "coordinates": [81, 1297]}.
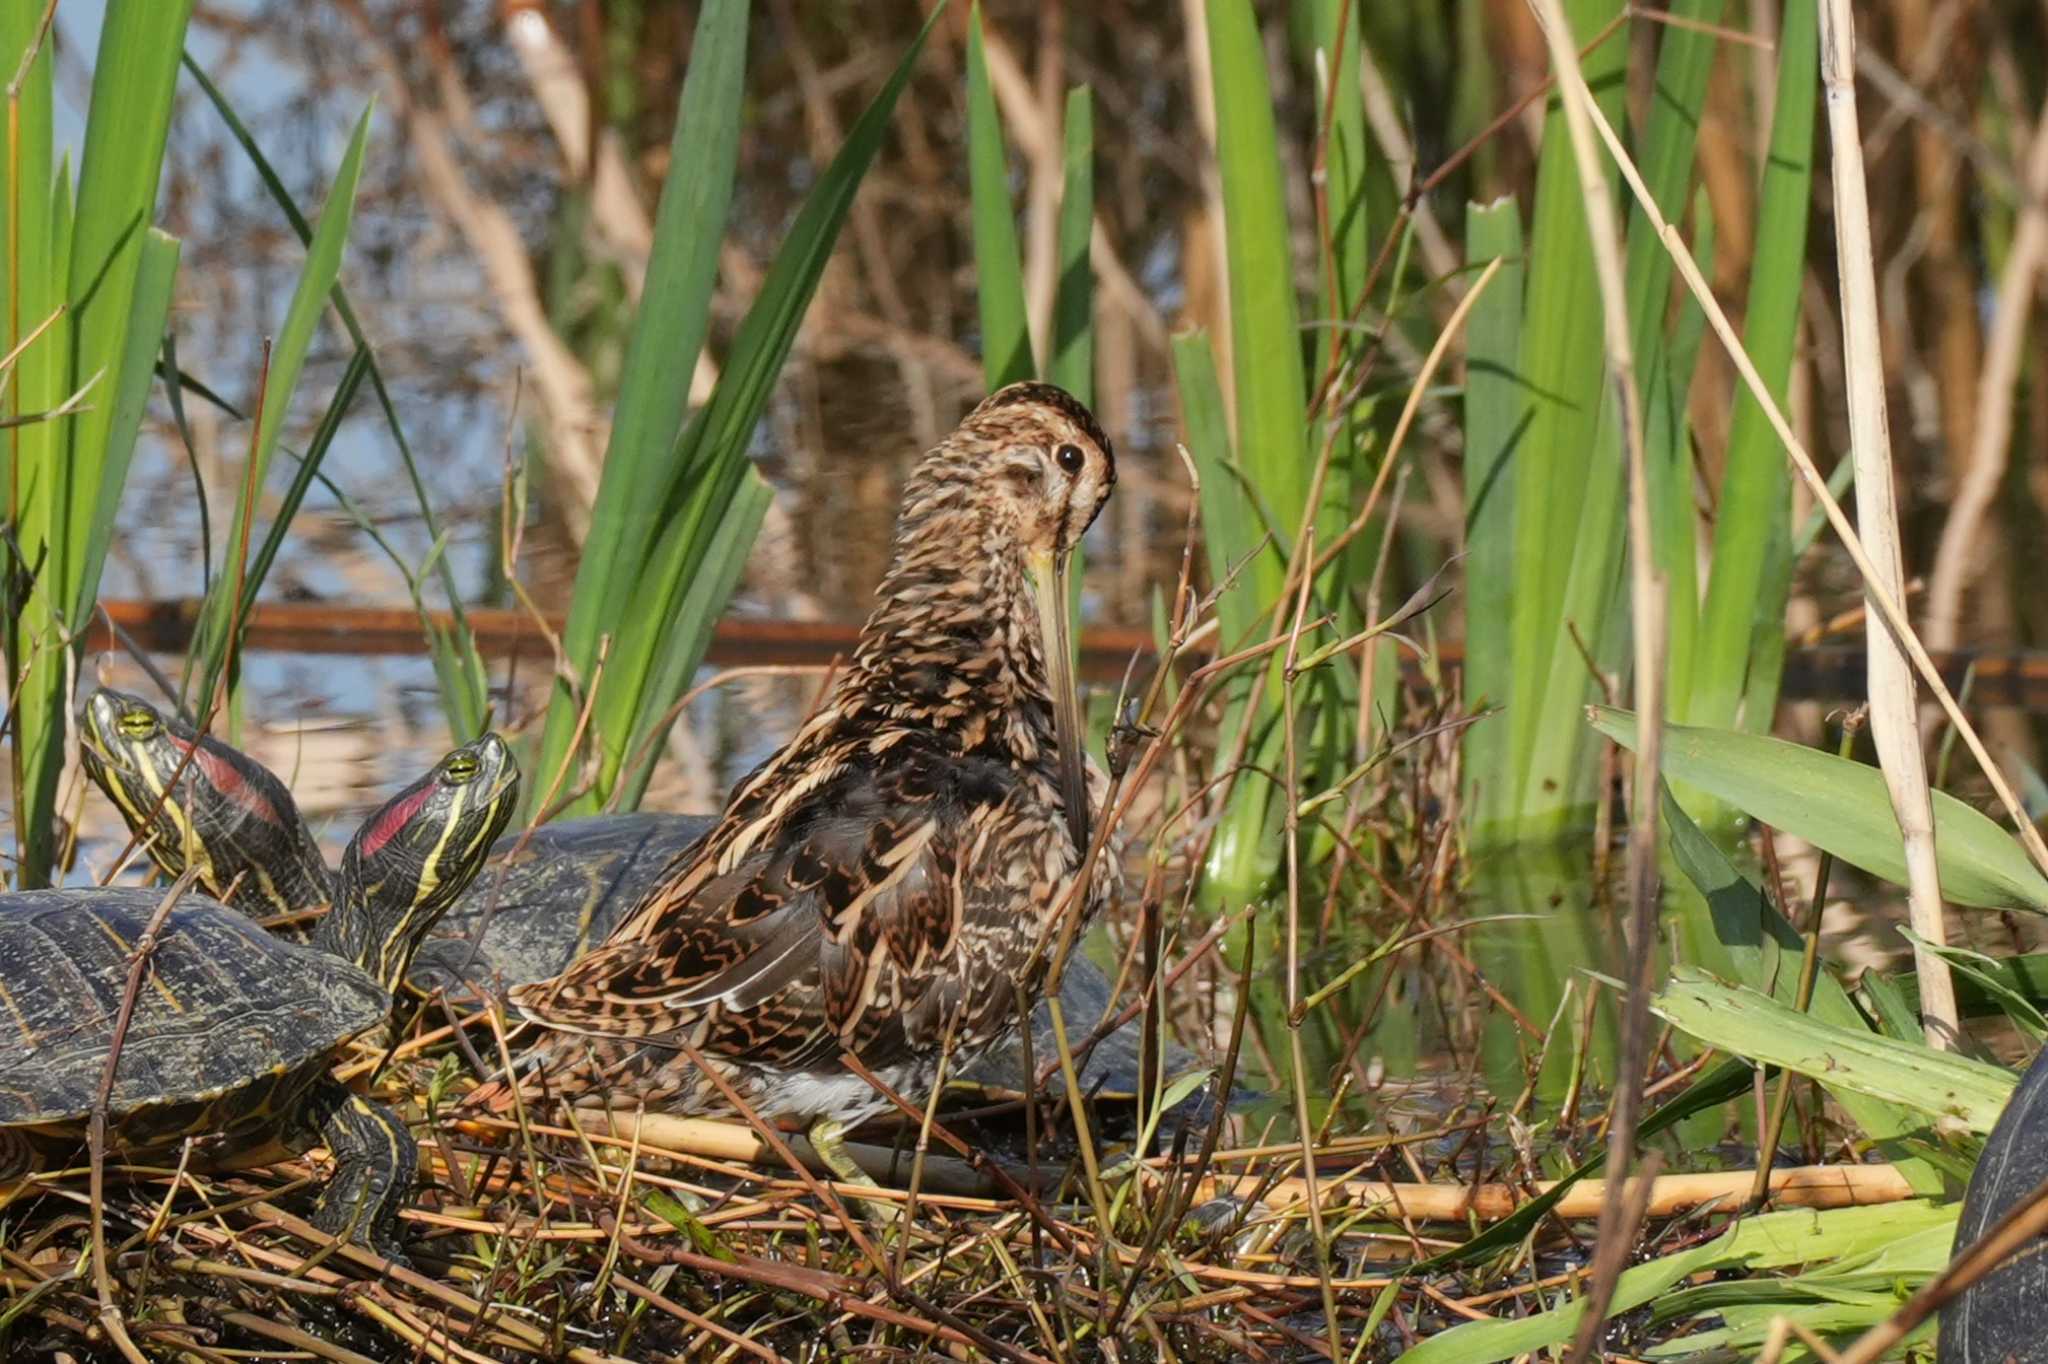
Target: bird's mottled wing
{"type": "Point", "coordinates": [839, 884]}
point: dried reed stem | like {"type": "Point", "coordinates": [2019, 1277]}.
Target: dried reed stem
{"type": "Point", "coordinates": [1646, 597]}
{"type": "Point", "coordinates": [1894, 718]}
{"type": "Point", "coordinates": [1957, 560]}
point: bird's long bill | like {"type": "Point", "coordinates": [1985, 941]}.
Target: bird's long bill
{"type": "Point", "coordinates": [1055, 628]}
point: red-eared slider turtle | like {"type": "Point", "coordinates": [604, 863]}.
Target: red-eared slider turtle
{"type": "Point", "coordinates": [544, 897]}
{"type": "Point", "coordinates": [233, 1030]}
{"type": "Point", "coordinates": [193, 800]}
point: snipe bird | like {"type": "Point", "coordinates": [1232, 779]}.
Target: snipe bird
{"type": "Point", "coordinates": [890, 877]}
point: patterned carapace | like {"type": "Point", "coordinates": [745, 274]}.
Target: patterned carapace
{"type": "Point", "coordinates": [894, 874]}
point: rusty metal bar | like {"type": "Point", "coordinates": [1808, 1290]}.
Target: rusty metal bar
{"type": "Point", "coordinates": [2001, 678]}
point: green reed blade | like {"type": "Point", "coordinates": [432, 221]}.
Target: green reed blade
{"type": "Point", "coordinates": [212, 640]}
{"type": "Point", "coordinates": [464, 688]}
{"type": "Point", "coordinates": [1342, 267]}
{"type": "Point", "coordinates": [1071, 364]}
{"type": "Point", "coordinates": [1685, 59]}
{"type": "Point", "coordinates": [1568, 526]}
{"type": "Point", "coordinates": [156, 271]}
{"type": "Point", "coordinates": [1231, 529]}
{"type": "Point", "coordinates": [650, 661]}
{"type": "Point", "coordinates": [681, 648]}
{"type": "Point", "coordinates": [307, 467]}
{"type": "Point", "coordinates": [1752, 534]}
{"type": "Point", "coordinates": [1496, 419]}
{"type": "Point", "coordinates": [1267, 376]}
{"type": "Point", "coordinates": [65, 477]}
{"type": "Point", "coordinates": [642, 469]}
{"type": "Point", "coordinates": [999, 270]}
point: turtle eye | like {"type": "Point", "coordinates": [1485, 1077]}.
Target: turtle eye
{"type": "Point", "coordinates": [461, 767]}
{"type": "Point", "coordinates": [138, 724]}
{"type": "Point", "coordinates": [1070, 459]}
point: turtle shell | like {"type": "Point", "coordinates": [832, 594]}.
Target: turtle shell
{"type": "Point", "coordinates": [225, 1013]}
{"type": "Point", "coordinates": [541, 903]}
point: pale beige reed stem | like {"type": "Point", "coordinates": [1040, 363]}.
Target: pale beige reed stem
{"type": "Point", "coordinates": [1894, 718]}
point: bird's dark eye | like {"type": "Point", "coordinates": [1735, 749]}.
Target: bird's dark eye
{"type": "Point", "coordinates": [1070, 457]}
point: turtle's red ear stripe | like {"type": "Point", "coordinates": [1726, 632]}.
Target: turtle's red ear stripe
{"type": "Point", "coordinates": [386, 823]}
{"type": "Point", "coordinates": [228, 779]}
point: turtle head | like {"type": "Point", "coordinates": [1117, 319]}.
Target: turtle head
{"type": "Point", "coordinates": [415, 855]}
{"type": "Point", "coordinates": [193, 801]}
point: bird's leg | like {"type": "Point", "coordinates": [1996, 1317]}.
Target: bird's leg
{"type": "Point", "coordinates": [828, 1139]}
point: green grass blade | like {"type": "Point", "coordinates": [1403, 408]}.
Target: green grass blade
{"type": "Point", "coordinates": [999, 269]}
{"type": "Point", "coordinates": [1496, 417]}
{"type": "Point", "coordinates": [287, 361]}
{"type": "Point", "coordinates": [65, 477]}
{"type": "Point", "coordinates": [712, 466]}
{"type": "Point", "coordinates": [1072, 363]}
{"type": "Point", "coordinates": [156, 271]}
{"type": "Point", "coordinates": [1842, 806]}
{"type": "Point", "coordinates": [1265, 323]}
{"type": "Point", "coordinates": [1752, 533]}
{"type": "Point", "coordinates": [464, 687]}
{"type": "Point", "coordinates": [1568, 527]}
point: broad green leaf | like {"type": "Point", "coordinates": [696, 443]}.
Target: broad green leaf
{"type": "Point", "coordinates": [1741, 1021]}
{"type": "Point", "coordinates": [999, 270]}
{"type": "Point", "coordinates": [1766, 952]}
{"type": "Point", "coordinates": [1841, 806]}
{"type": "Point", "coordinates": [1769, 1241]}
{"type": "Point", "coordinates": [1727, 1079]}
{"type": "Point", "coordinates": [1982, 971]}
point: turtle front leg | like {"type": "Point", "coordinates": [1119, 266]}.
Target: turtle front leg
{"type": "Point", "coordinates": [375, 1163]}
